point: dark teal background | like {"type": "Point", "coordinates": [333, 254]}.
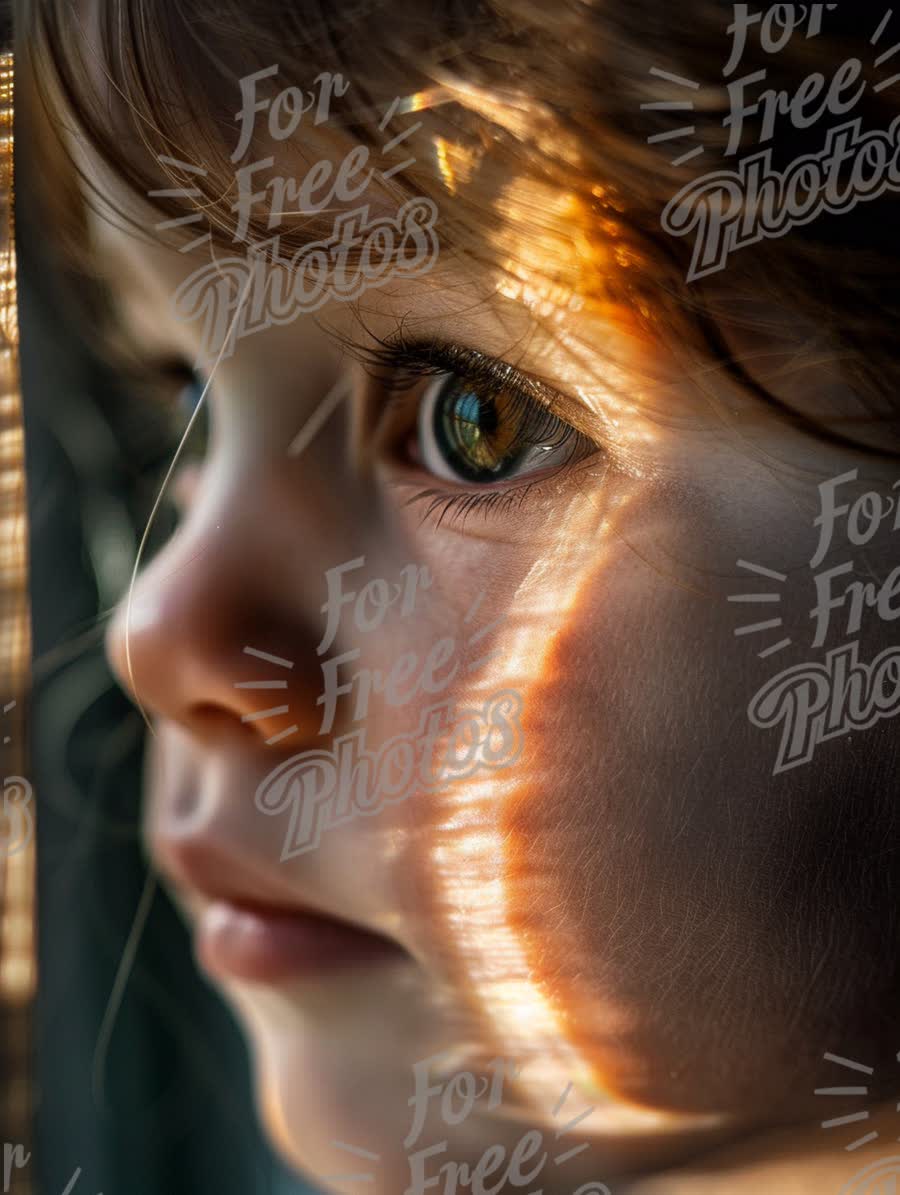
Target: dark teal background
{"type": "Point", "coordinates": [175, 1115]}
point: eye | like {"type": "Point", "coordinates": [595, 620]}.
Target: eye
{"type": "Point", "coordinates": [187, 401]}
{"type": "Point", "coordinates": [473, 432]}
{"type": "Point", "coordinates": [190, 394]}
{"type": "Point", "coordinates": [487, 433]}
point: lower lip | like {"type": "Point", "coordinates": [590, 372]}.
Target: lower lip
{"type": "Point", "coordinates": [272, 946]}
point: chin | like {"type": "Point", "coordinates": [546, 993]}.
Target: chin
{"type": "Point", "coordinates": [331, 1062]}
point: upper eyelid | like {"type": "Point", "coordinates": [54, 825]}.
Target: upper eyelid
{"type": "Point", "coordinates": [437, 356]}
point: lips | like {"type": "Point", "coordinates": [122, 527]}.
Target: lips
{"type": "Point", "coordinates": [249, 924]}
{"type": "Point", "coordinates": [259, 944]}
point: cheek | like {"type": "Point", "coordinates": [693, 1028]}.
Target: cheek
{"type": "Point", "coordinates": [636, 894]}
{"type": "Point", "coordinates": [618, 842]}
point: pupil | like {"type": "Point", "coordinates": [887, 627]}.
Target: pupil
{"type": "Point", "coordinates": [471, 431]}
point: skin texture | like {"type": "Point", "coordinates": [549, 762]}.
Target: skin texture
{"type": "Point", "coordinates": [636, 905]}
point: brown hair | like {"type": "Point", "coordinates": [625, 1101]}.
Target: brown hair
{"type": "Point", "coordinates": [555, 93]}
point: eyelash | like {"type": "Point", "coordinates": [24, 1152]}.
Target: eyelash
{"type": "Point", "coordinates": [401, 364]}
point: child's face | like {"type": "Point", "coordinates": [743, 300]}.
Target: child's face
{"type": "Point", "coordinates": [621, 895]}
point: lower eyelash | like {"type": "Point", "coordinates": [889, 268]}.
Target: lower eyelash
{"type": "Point", "coordinates": [460, 506]}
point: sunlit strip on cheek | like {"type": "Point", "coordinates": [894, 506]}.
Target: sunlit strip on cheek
{"type": "Point", "coordinates": [470, 853]}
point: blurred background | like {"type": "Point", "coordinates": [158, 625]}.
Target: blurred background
{"type": "Point", "coordinates": [142, 1079]}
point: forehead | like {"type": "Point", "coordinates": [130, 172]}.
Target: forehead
{"type": "Point", "coordinates": [283, 158]}
{"type": "Point", "coordinates": [594, 353]}
{"type": "Point", "coordinates": [282, 152]}
{"type": "Point", "coordinates": [294, 149]}
{"type": "Point", "coordinates": [299, 171]}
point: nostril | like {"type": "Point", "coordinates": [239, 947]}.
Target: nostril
{"type": "Point", "coordinates": [209, 719]}
{"type": "Point", "coordinates": [185, 804]}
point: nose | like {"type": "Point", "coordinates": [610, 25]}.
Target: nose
{"type": "Point", "coordinates": [197, 644]}
{"type": "Point", "coordinates": [219, 633]}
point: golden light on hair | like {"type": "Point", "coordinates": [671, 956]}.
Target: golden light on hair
{"type": "Point", "coordinates": [17, 947]}
{"type": "Point", "coordinates": [546, 230]}
{"type": "Point", "coordinates": [518, 113]}
{"type": "Point", "coordinates": [456, 163]}
{"type": "Point", "coordinates": [421, 101]}
{"type": "Point", "coordinates": [566, 253]}
{"type": "Point", "coordinates": [18, 965]}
